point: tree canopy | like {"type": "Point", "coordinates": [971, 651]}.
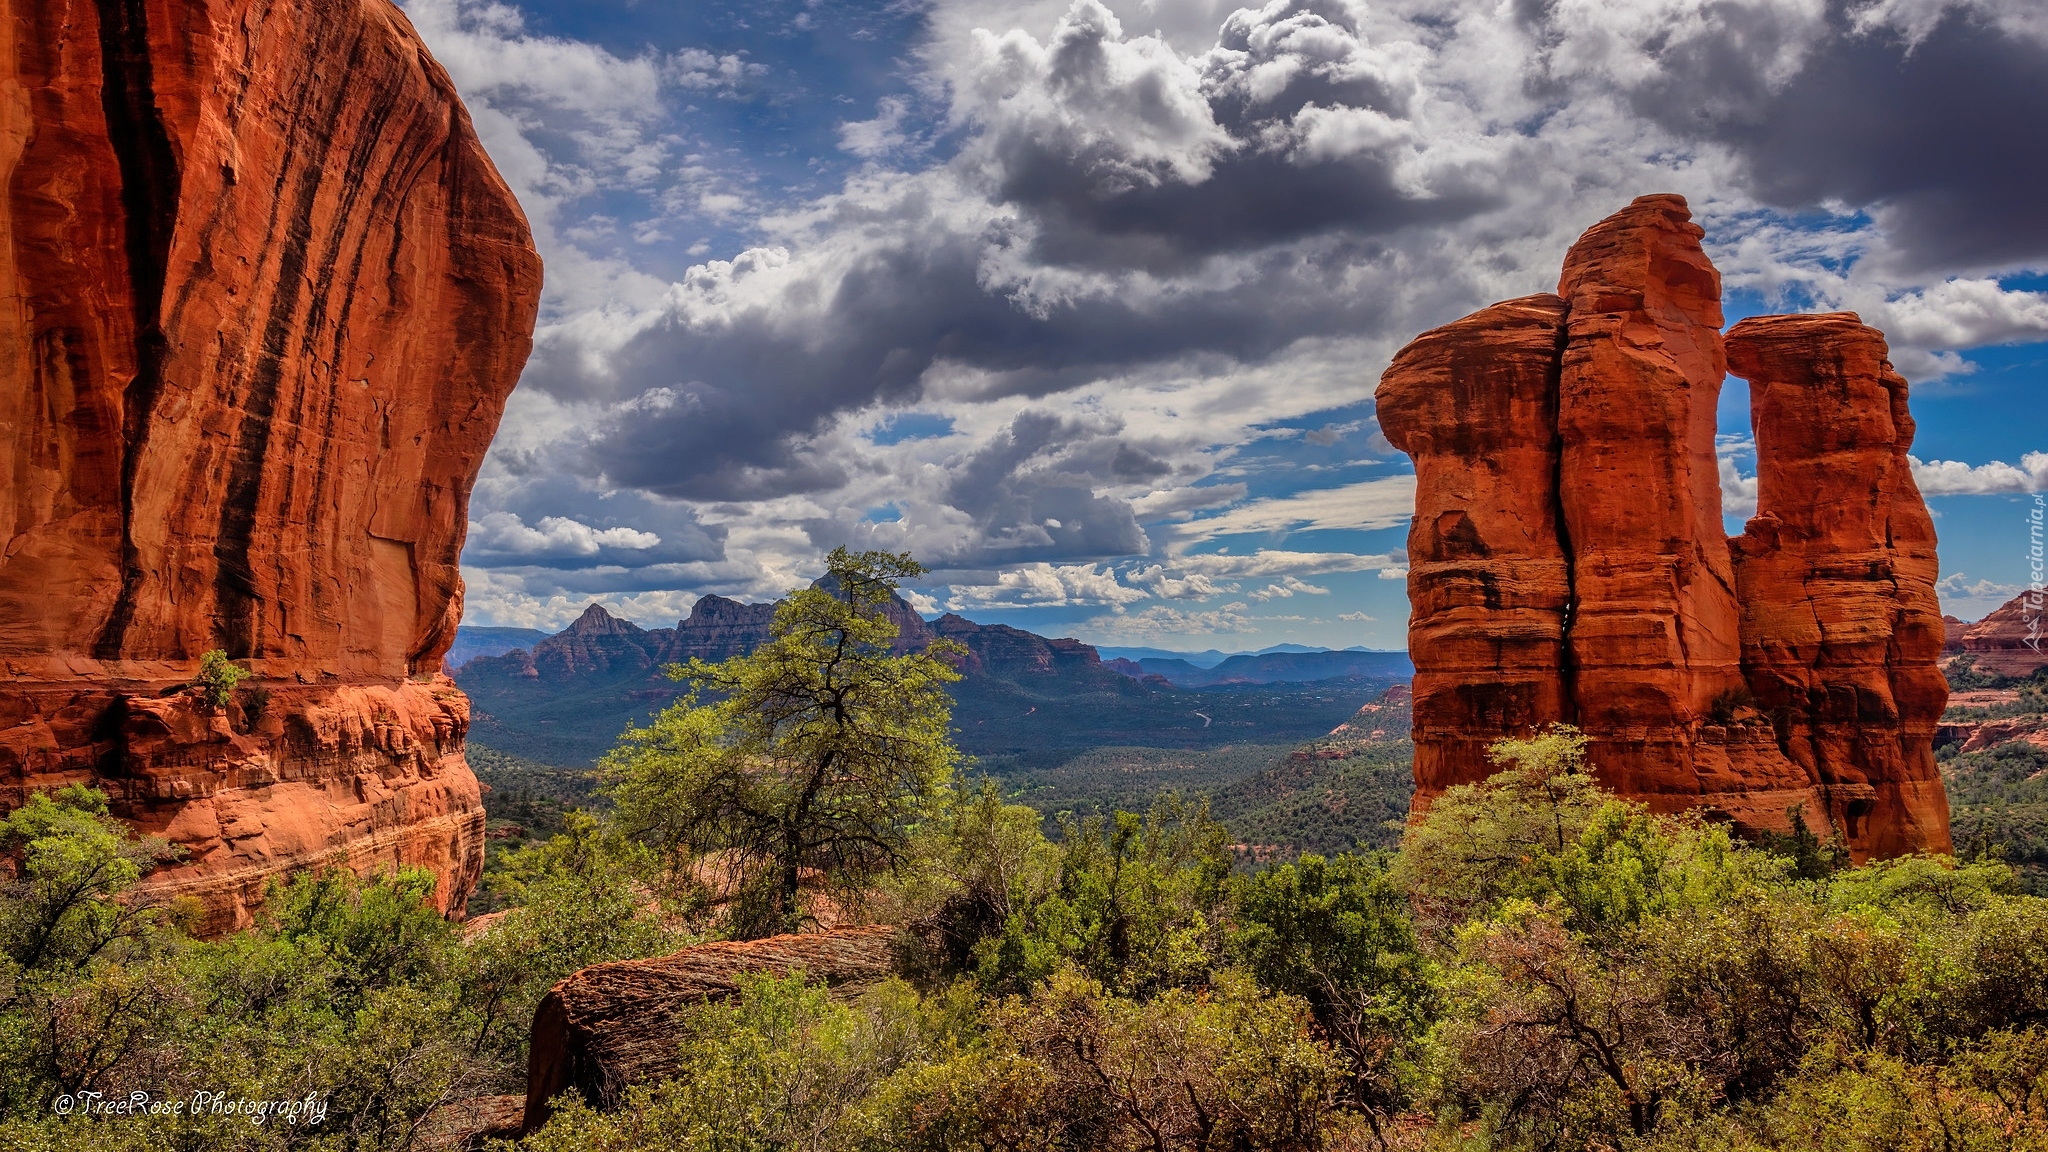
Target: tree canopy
{"type": "Point", "coordinates": [804, 762]}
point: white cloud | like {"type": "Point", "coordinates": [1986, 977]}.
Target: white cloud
{"type": "Point", "coordinates": [1968, 599]}
{"type": "Point", "coordinates": [1286, 588]}
{"type": "Point", "coordinates": [1955, 478]}
{"type": "Point", "coordinates": [1045, 585]}
{"type": "Point", "coordinates": [497, 599]}
{"type": "Point", "coordinates": [1171, 586]}
{"type": "Point", "coordinates": [1356, 617]}
{"type": "Point", "coordinates": [1738, 492]}
{"type": "Point", "coordinates": [1277, 562]}
{"type": "Point", "coordinates": [699, 70]}
{"type": "Point", "coordinates": [1161, 622]}
{"type": "Point", "coordinates": [1386, 502]}
{"type": "Point", "coordinates": [503, 532]}
{"type": "Point", "coordinates": [872, 139]}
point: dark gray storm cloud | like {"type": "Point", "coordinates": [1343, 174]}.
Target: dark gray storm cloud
{"type": "Point", "coordinates": [1117, 207]}
{"type": "Point", "coordinates": [738, 396]}
{"type": "Point", "coordinates": [1097, 204]}
{"type": "Point", "coordinates": [1941, 138]}
{"type": "Point", "coordinates": [1030, 490]}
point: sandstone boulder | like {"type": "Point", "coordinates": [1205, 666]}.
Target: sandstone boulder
{"type": "Point", "coordinates": [262, 298]}
{"type": "Point", "coordinates": [610, 1026]}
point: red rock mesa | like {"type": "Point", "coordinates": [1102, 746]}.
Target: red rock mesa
{"type": "Point", "coordinates": [1567, 560]}
{"type": "Point", "coordinates": [262, 298]}
{"type": "Point", "coordinates": [2012, 641]}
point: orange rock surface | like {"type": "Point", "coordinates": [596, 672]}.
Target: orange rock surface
{"type": "Point", "coordinates": [1475, 403]}
{"type": "Point", "coordinates": [1568, 561]}
{"type": "Point", "coordinates": [1842, 631]}
{"type": "Point", "coordinates": [262, 298]}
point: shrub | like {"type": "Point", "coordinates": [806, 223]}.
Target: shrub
{"type": "Point", "coordinates": [219, 677]}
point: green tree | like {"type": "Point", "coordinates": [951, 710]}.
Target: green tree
{"type": "Point", "coordinates": [1480, 844]}
{"type": "Point", "coordinates": [1336, 933]}
{"type": "Point", "coordinates": [1135, 904]}
{"type": "Point", "coordinates": [812, 755]}
{"type": "Point", "coordinates": [69, 864]}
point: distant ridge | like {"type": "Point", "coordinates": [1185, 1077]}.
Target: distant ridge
{"type": "Point", "coordinates": [1209, 658]}
{"type": "Point", "coordinates": [472, 641]}
{"type": "Point", "coordinates": [564, 699]}
{"type": "Point", "coordinates": [1292, 667]}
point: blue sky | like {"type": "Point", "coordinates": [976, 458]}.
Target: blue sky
{"type": "Point", "coordinates": [1083, 302]}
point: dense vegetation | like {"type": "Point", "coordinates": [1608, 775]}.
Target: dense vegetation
{"type": "Point", "coordinates": [1326, 797]}
{"type": "Point", "coordinates": [1998, 793]}
{"type": "Point", "coordinates": [1998, 806]}
{"type": "Point", "coordinates": [1539, 966]}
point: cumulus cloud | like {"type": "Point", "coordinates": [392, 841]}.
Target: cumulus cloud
{"type": "Point", "coordinates": [872, 139]}
{"type": "Point", "coordinates": [503, 534]}
{"type": "Point", "coordinates": [1159, 232]}
{"type": "Point", "coordinates": [1968, 599]}
{"type": "Point", "coordinates": [1286, 588]}
{"type": "Point", "coordinates": [1042, 585]}
{"type": "Point", "coordinates": [1161, 622]}
{"type": "Point", "coordinates": [1954, 478]}
{"type": "Point", "coordinates": [497, 599]}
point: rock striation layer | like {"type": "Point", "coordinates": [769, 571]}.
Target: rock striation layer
{"type": "Point", "coordinates": [1568, 563]}
{"type": "Point", "coordinates": [613, 1025]}
{"type": "Point", "coordinates": [262, 299]}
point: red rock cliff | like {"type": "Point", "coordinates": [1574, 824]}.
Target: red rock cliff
{"type": "Point", "coordinates": [1568, 560]}
{"type": "Point", "coordinates": [262, 298]}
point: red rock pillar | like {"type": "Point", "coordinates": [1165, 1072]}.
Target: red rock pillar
{"type": "Point", "coordinates": [1475, 404]}
{"type": "Point", "coordinates": [1841, 629]}
{"type": "Point", "coordinates": [1653, 634]}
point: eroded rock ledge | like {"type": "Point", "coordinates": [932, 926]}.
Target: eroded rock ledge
{"type": "Point", "coordinates": [1567, 560]}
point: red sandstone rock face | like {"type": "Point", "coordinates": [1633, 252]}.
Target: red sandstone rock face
{"type": "Point", "coordinates": [1475, 404]}
{"type": "Point", "coordinates": [262, 298]}
{"type": "Point", "coordinates": [2009, 642]}
{"type": "Point", "coordinates": [1842, 631]}
{"type": "Point", "coordinates": [1568, 561]}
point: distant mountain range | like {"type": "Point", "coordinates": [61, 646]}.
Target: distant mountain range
{"type": "Point", "coordinates": [1294, 667]}
{"type": "Point", "coordinates": [472, 641]}
{"type": "Point", "coordinates": [1210, 657]}
{"type": "Point", "coordinates": [563, 699]}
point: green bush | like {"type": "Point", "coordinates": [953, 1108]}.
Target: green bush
{"type": "Point", "coordinates": [1539, 966]}
{"type": "Point", "coordinates": [219, 677]}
